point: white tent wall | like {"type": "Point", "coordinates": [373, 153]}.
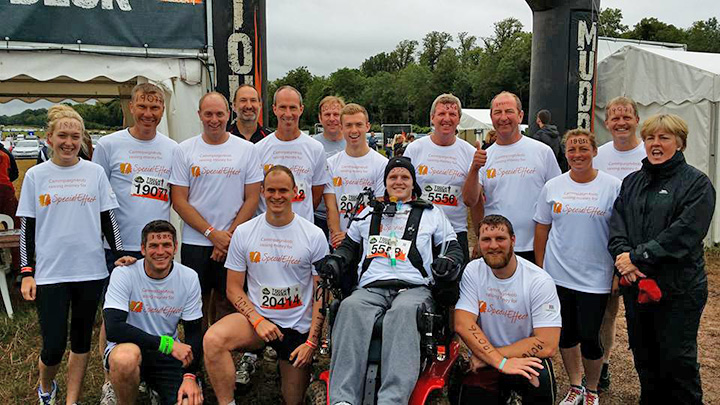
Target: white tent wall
{"type": "Point", "coordinates": [664, 81]}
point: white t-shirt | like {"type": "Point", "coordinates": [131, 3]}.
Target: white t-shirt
{"type": "Point", "coordinates": [509, 309]}
{"type": "Point", "coordinates": [350, 175]}
{"type": "Point", "coordinates": [139, 173]}
{"type": "Point", "coordinates": [512, 179]}
{"type": "Point", "coordinates": [305, 157]}
{"type": "Point", "coordinates": [155, 306]}
{"type": "Point", "coordinates": [66, 203]}
{"type": "Point", "coordinates": [434, 230]}
{"type": "Point", "coordinates": [279, 265]}
{"type": "Point", "coordinates": [619, 163]}
{"type": "Point", "coordinates": [441, 172]}
{"type": "Point", "coordinates": [576, 254]}
{"type": "Point", "coordinates": [217, 176]}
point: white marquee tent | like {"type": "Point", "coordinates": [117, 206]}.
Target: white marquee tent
{"type": "Point", "coordinates": [33, 73]}
{"type": "Point", "coordinates": [667, 81]}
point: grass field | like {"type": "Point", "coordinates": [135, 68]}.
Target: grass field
{"type": "Point", "coordinates": [20, 345]}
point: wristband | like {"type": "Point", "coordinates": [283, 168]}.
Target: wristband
{"type": "Point", "coordinates": [190, 376]}
{"type": "Point", "coordinates": [311, 344]}
{"type": "Point", "coordinates": [257, 322]}
{"type": "Point", "coordinates": [27, 271]}
{"type": "Point", "coordinates": [208, 231]}
{"type": "Point", "coordinates": [502, 363]}
{"type": "Point", "coordinates": [166, 344]}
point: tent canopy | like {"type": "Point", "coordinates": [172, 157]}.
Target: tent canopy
{"type": "Point", "coordinates": [667, 81]}
{"type": "Point", "coordinates": [475, 119]}
{"type": "Point", "coordinates": [59, 75]}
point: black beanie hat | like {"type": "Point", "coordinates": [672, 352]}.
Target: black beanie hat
{"type": "Point", "coordinates": [405, 163]}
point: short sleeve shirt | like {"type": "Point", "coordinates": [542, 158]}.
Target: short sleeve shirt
{"type": "Point", "coordinates": [576, 255]}
{"type": "Point", "coordinates": [509, 309]}
{"type": "Point", "coordinates": [279, 266]}
{"type": "Point", "coordinates": [155, 306]}
{"type": "Point", "coordinates": [305, 157]}
{"type": "Point", "coordinates": [434, 230]}
{"type": "Point", "coordinates": [350, 175]}
{"type": "Point", "coordinates": [139, 173]}
{"type": "Point", "coordinates": [216, 176]}
{"type": "Point", "coordinates": [512, 179]}
{"type": "Point", "coordinates": [441, 173]}
{"type": "Point", "coordinates": [66, 203]}
{"type": "Point", "coordinates": [619, 163]}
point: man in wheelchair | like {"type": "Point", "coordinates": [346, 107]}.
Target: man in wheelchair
{"type": "Point", "coordinates": [393, 240]}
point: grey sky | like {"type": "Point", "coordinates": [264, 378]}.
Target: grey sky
{"type": "Point", "coordinates": [326, 35]}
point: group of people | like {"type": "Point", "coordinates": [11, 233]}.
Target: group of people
{"type": "Point", "coordinates": [266, 215]}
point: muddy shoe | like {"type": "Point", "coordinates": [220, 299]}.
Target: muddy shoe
{"type": "Point", "coordinates": [48, 398]}
{"type": "Point", "coordinates": [107, 394]}
{"type": "Point", "coordinates": [245, 369]}
{"type": "Point", "coordinates": [604, 383]}
{"type": "Point", "coordinates": [270, 354]}
{"type": "Point", "coordinates": [574, 396]}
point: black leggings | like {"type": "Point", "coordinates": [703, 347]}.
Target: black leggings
{"type": "Point", "coordinates": [54, 303]}
{"type": "Point", "coordinates": [489, 386]}
{"type": "Point", "coordinates": [582, 315]}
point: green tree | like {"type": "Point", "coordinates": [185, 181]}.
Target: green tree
{"type": "Point", "coordinates": [704, 36]}
{"type": "Point", "coordinates": [347, 83]}
{"type": "Point", "coordinates": [404, 54]}
{"type": "Point", "coordinates": [434, 44]}
{"type": "Point", "coordinates": [610, 23]}
{"type": "Point", "coordinates": [651, 29]}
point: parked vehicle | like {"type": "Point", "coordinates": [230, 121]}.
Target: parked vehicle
{"type": "Point", "coordinates": [26, 149]}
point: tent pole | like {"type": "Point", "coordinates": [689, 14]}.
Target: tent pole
{"type": "Point", "coordinates": [712, 164]}
{"type": "Point", "coordinates": [210, 42]}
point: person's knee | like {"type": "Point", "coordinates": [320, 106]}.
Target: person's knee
{"type": "Point", "coordinates": [214, 342]}
{"type": "Point", "coordinates": [125, 360]}
{"type": "Point", "coordinates": [51, 355]}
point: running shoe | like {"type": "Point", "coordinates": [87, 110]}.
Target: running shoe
{"type": "Point", "coordinates": [108, 394]}
{"type": "Point", "coordinates": [591, 398]}
{"type": "Point", "coordinates": [574, 396]}
{"type": "Point", "coordinates": [47, 398]}
{"type": "Point", "coordinates": [245, 369]}
{"type": "Point", "coordinates": [604, 383]}
{"type": "Point", "coordinates": [269, 354]}
{"type": "Point", "coordinates": [514, 399]}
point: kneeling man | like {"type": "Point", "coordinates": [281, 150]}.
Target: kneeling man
{"type": "Point", "coordinates": [508, 315]}
{"type": "Point", "coordinates": [144, 303]}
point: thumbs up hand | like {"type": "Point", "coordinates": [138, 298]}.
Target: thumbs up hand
{"type": "Point", "coordinates": [480, 157]}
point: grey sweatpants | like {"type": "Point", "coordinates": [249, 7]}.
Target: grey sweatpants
{"type": "Point", "coordinates": [352, 333]}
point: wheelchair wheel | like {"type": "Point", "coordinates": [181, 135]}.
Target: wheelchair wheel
{"type": "Point", "coordinates": [316, 393]}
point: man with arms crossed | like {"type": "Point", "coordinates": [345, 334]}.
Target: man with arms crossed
{"type": "Point", "coordinates": [618, 158]}
{"type": "Point", "coordinates": [355, 168]}
{"type": "Point", "coordinates": [137, 161]}
{"type": "Point", "coordinates": [516, 170]}
{"type": "Point", "coordinates": [278, 250]}
{"type": "Point", "coordinates": [304, 156]}
{"type": "Point", "coordinates": [509, 316]}
{"type": "Point", "coordinates": [442, 163]}
{"type": "Point", "coordinates": [247, 104]}
{"type": "Point", "coordinates": [145, 302]}
{"type": "Point", "coordinates": [215, 187]}
{"type": "Point", "coordinates": [332, 141]}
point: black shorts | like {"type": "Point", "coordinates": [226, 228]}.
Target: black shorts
{"type": "Point", "coordinates": [489, 386]}
{"type": "Point", "coordinates": [582, 315]}
{"type": "Point", "coordinates": [163, 373]}
{"type": "Point", "coordinates": [291, 340]}
{"type": "Point", "coordinates": [212, 274]}
{"type": "Point", "coordinates": [55, 303]}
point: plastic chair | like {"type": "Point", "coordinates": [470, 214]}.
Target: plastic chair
{"type": "Point", "coordinates": [5, 263]}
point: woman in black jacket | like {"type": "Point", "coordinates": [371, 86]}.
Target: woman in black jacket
{"type": "Point", "coordinates": [657, 228]}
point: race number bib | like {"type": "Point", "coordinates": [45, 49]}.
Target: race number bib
{"type": "Point", "coordinates": [302, 192]}
{"type": "Point", "coordinates": [441, 194]}
{"type": "Point", "coordinates": [347, 202]}
{"type": "Point", "coordinates": [155, 188]}
{"type": "Point", "coordinates": [281, 297]}
{"type": "Point", "coordinates": [385, 246]}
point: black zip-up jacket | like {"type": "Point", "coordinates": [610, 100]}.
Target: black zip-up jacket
{"type": "Point", "coordinates": [661, 216]}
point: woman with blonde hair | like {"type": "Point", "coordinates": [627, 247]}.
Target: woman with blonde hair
{"type": "Point", "coordinates": [66, 205]}
{"type": "Point", "coordinates": [657, 229]}
{"type": "Point", "coordinates": [571, 234]}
